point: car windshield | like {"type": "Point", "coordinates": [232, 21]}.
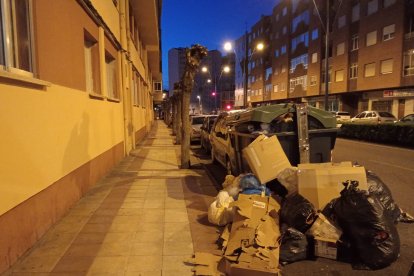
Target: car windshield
{"type": "Point", "coordinates": [385, 114]}
{"type": "Point", "coordinates": [343, 113]}
{"type": "Point", "coordinates": [197, 120]}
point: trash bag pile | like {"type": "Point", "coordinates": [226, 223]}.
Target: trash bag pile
{"type": "Point", "coordinates": [354, 221]}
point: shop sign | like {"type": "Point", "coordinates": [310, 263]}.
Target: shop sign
{"type": "Point", "coordinates": [398, 93]}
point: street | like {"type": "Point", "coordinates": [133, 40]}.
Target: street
{"type": "Point", "coordinates": [395, 166]}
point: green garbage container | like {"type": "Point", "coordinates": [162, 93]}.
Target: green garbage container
{"type": "Point", "coordinates": [281, 120]}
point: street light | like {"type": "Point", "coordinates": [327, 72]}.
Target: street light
{"type": "Point", "coordinates": [259, 47]}
{"type": "Point", "coordinates": [199, 104]}
{"type": "Point", "coordinates": [225, 69]}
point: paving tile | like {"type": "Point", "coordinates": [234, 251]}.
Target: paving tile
{"type": "Point", "coordinates": [177, 264]}
{"type": "Point", "coordinates": [176, 215]}
{"type": "Point", "coordinates": [174, 248]}
{"type": "Point", "coordinates": [147, 249]}
{"type": "Point", "coordinates": [144, 263]}
{"type": "Point", "coordinates": [148, 236]}
{"type": "Point", "coordinates": [79, 264]}
{"type": "Point", "coordinates": [114, 264]}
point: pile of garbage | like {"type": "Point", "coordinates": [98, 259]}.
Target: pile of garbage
{"type": "Point", "coordinates": [337, 211]}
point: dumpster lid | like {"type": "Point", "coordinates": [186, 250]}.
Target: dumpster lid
{"type": "Point", "coordinates": [266, 114]}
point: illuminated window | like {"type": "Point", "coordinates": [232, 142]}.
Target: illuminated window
{"type": "Point", "coordinates": [408, 63]}
{"type": "Point", "coordinates": [16, 45]}
{"type": "Point", "coordinates": [371, 38]}
{"type": "Point", "coordinates": [388, 32]}
{"type": "Point", "coordinates": [386, 66]}
{"type": "Point", "coordinates": [314, 57]}
{"type": "Point", "coordinates": [339, 76]}
{"type": "Point", "coordinates": [369, 70]}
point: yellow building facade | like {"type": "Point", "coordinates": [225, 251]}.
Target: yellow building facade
{"type": "Point", "coordinates": [77, 81]}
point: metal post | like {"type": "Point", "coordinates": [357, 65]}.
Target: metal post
{"type": "Point", "coordinates": [245, 69]}
{"type": "Point", "coordinates": [326, 65]}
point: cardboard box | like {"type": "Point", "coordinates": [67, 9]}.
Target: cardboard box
{"type": "Point", "coordinates": [320, 183]}
{"type": "Point", "coordinates": [326, 248]}
{"type": "Point", "coordinates": [266, 157]}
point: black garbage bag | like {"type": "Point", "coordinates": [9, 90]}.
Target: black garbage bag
{"type": "Point", "coordinates": [363, 219]}
{"type": "Point", "coordinates": [294, 246]}
{"type": "Point", "coordinates": [377, 187]}
{"type": "Point", "coordinates": [298, 212]}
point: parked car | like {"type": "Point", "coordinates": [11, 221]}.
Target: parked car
{"type": "Point", "coordinates": [196, 123]}
{"type": "Point", "coordinates": [205, 131]}
{"type": "Point", "coordinates": [374, 117]}
{"type": "Point", "coordinates": [342, 116]}
{"type": "Point", "coordinates": [221, 147]}
{"type": "Point", "coordinates": [408, 119]}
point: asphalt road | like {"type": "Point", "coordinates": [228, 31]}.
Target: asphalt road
{"type": "Point", "coordinates": [395, 166]}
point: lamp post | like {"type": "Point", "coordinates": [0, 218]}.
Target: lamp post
{"type": "Point", "coordinates": [259, 47]}
{"type": "Point", "coordinates": [216, 79]}
{"type": "Point", "coordinates": [199, 104]}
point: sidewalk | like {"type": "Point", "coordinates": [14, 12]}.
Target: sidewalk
{"type": "Point", "coordinates": [145, 218]}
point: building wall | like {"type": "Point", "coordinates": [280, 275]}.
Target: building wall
{"type": "Point", "coordinates": [57, 140]}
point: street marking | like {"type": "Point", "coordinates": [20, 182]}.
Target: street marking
{"type": "Point", "coordinates": [392, 165]}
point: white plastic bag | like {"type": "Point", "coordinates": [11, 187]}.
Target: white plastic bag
{"type": "Point", "coordinates": [219, 212]}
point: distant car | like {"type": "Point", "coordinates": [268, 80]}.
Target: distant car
{"type": "Point", "coordinates": [374, 117]}
{"type": "Point", "coordinates": [408, 119]}
{"type": "Point", "coordinates": [196, 123]}
{"type": "Point", "coordinates": [342, 116]}
{"type": "Point", "coordinates": [205, 131]}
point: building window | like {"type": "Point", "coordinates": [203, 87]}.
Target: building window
{"type": "Point", "coordinates": [283, 50]}
{"type": "Point", "coordinates": [354, 43]}
{"type": "Point", "coordinates": [353, 71]}
{"type": "Point", "coordinates": [371, 38]}
{"type": "Point", "coordinates": [268, 73]}
{"type": "Point", "coordinates": [284, 30]}
{"type": "Point", "coordinates": [260, 92]}
{"type": "Point", "coordinates": [268, 88]}
{"type": "Point", "coordinates": [16, 45]}
{"type": "Point", "coordinates": [283, 86]}
{"type": "Point", "coordinates": [283, 68]}
{"type": "Point", "coordinates": [386, 66]}
{"type": "Point", "coordinates": [284, 11]}
{"type": "Point", "coordinates": [302, 81]}
{"type": "Point", "coordinates": [302, 38]}
{"type": "Point", "coordinates": [340, 49]}
{"type": "Point", "coordinates": [276, 52]}
{"type": "Point", "coordinates": [313, 80]}
{"type": "Point", "coordinates": [315, 34]}
{"type": "Point", "coordinates": [388, 3]}
{"type": "Point", "coordinates": [314, 57]}
{"type": "Point", "coordinates": [372, 7]}
{"type": "Point", "coordinates": [408, 63]}
{"type": "Point", "coordinates": [341, 21]}
{"type": "Point", "coordinates": [355, 13]}
{"type": "Point", "coordinates": [388, 32]}
{"type": "Point", "coordinates": [303, 17]}
{"type": "Point", "coordinates": [369, 70]}
{"type": "Point", "coordinates": [92, 68]}
{"type": "Point", "coordinates": [339, 75]}
{"type": "Point", "coordinates": [303, 59]}
{"type": "Point", "coordinates": [276, 88]}
{"type": "Point", "coordinates": [111, 76]}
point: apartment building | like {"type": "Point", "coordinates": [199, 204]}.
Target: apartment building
{"type": "Point", "coordinates": [176, 66]}
{"type": "Point", "coordinates": [371, 55]}
{"type": "Point", "coordinates": [78, 79]}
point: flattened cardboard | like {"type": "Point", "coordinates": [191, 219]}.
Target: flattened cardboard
{"type": "Point", "coordinates": [266, 157]}
{"type": "Point", "coordinates": [320, 183]}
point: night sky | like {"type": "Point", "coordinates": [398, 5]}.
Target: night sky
{"type": "Point", "coordinates": [207, 22]}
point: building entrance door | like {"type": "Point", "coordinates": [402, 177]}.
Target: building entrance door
{"type": "Point", "coordinates": [401, 108]}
